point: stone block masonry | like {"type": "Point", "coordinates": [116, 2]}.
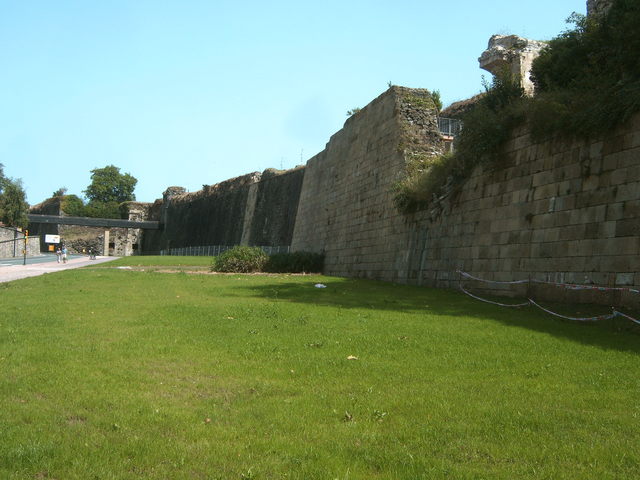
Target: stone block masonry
{"type": "Point", "coordinates": [346, 205]}
{"type": "Point", "coordinates": [12, 244]}
{"type": "Point", "coordinates": [561, 211]}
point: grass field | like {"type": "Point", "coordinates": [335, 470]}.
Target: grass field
{"type": "Point", "coordinates": [154, 372]}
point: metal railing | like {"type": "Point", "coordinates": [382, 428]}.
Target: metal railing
{"type": "Point", "coordinates": [449, 126]}
{"type": "Point", "coordinates": [214, 250]}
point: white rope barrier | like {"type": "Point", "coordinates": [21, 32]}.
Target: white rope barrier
{"type": "Point", "coordinates": [575, 319]}
{"type": "Point", "coordinates": [572, 286]}
{"type": "Point", "coordinates": [620, 314]}
{"type": "Point", "coordinates": [471, 277]}
{"type": "Point", "coordinates": [492, 302]}
{"type": "Point", "coordinates": [614, 313]}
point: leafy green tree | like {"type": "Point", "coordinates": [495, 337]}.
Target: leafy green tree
{"type": "Point", "coordinates": [109, 185]}
{"type": "Point", "coordinates": [108, 189]}
{"type": "Point", "coordinates": [13, 204]}
{"type": "Point", "coordinates": [73, 205]}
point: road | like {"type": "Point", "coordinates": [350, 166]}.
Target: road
{"type": "Point", "coordinates": [13, 269]}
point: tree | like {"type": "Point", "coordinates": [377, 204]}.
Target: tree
{"type": "Point", "coordinates": [72, 205]}
{"type": "Point", "coordinates": [108, 189]}
{"type": "Point", "coordinates": [109, 185]}
{"type": "Point", "coordinates": [13, 204]}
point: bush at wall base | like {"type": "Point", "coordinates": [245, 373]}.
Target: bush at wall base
{"type": "Point", "coordinates": [240, 260]}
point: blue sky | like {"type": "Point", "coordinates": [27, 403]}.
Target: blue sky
{"type": "Point", "coordinates": [193, 92]}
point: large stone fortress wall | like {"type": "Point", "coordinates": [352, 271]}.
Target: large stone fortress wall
{"type": "Point", "coordinates": [565, 211]}
{"type": "Point", "coordinates": [560, 210]}
{"type": "Point", "coordinates": [346, 205]}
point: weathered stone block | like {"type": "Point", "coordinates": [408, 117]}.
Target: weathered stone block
{"type": "Point", "coordinates": [629, 227]}
{"type": "Point", "coordinates": [624, 279]}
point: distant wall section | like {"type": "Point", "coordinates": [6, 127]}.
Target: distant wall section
{"type": "Point", "coordinates": [254, 209]}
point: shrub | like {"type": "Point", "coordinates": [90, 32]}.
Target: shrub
{"type": "Point", "coordinates": [240, 260]}
{"type": "Point", "coordinates": [295, 262]}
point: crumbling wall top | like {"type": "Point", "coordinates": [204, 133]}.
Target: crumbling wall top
{"type": "Point", "coordinates": [513, 54]}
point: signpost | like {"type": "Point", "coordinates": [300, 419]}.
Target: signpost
{"type": "Point", "coordinates": [24, 251]}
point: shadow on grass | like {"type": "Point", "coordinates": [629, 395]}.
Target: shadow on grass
{"type": "Point", "coordinates": [614, 334]}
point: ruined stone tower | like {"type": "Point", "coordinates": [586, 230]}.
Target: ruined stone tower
{"type": "Point", "coordinates": [513, 54]}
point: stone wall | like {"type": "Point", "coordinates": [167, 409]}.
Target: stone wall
{"type": "Point", "coordinates": [560, 211]}
{"type": "Point", "coordinates": [346, 205]}
{"type": "Point", "coordinates": [254, 209]}
{"type": "Point", "coordinates": [271, 215]}
{"type": "Point", "coordinates": [12, 244]}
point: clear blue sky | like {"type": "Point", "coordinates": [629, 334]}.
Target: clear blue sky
{"type": "Point", "coordinates": [193, 92]}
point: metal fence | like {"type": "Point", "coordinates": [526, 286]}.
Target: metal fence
{"type": "Point", "coordinates": [214, 250]}
{"type": "Point", "coordinates": [449, 126]}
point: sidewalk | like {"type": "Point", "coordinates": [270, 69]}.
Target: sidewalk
{"type": "Point", "coordinates": [16, 272]}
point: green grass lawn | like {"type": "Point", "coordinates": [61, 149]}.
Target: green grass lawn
{"type": "Point", "coordinates": [115, 373]}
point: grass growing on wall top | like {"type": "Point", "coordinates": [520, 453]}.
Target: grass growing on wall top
{"type": "Point", "coordinates": [139, 374]}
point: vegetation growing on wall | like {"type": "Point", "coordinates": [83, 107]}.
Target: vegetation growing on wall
{"type": "Point", "coordinates": [587, 82]}
{"type": "Point", "coordinates": [588, 78]}
{"type": "Point", "coordinates": [486, 127]}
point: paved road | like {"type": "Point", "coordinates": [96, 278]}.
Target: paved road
{"type": "Point", "coordinates": [13, 269]}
